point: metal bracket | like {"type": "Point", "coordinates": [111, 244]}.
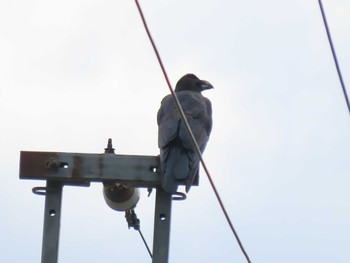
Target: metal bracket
{"type": "Point", "coordinates": [59, 169]}
{"type": "Point", "coordinates": [52, 222]}
{"type": "Point", "coordinates": [162, 218]}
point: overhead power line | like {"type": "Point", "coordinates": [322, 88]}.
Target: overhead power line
{"type": "Point", "coordinates": [188, 129]}
{"type": "Point", "coordinates": [334, 54]}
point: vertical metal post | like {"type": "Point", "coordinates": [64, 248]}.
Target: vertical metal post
{"type": "Point", "coordinates": [161, 236]}
{"type": "Point", "coordinates": [52, 218]}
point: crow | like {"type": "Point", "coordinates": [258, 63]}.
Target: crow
{"type": "Point", "coordinates": [178, 158]}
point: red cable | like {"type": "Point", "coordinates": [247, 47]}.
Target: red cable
{"type": "Point", "coordinates": [183, 117]}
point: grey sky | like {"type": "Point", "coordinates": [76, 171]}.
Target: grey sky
{"type": "Point", "coordinates": [75, 73]}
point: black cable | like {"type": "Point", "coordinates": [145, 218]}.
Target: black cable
{"type": "Point", "coordinates": [188, 129]}
{"type": "Point", "coordinates": [144, 241]}
{"type": "Point", "coordinates": [134, 222]}
{"type": "Point", "coordinates": [334, 54]}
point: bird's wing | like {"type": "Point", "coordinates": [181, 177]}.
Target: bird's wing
{"type": "Point", "coordinates": [168, 122]}
{"type": "Point", "coordinates": [174, 160]}
{"type": "Point", "coordinates": [198, 113]}
{"type": "Point", "coordinates": [199, 117]}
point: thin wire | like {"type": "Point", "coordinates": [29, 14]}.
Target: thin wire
{"type": "Point", "coordinates": [144, 241]}
{"type": "Point", "coordinates": [334, 54]}
{"type": "Point", "coordinates": [188, 129]}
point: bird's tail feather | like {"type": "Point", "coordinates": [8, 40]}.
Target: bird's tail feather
{"type": "Point", "coordinates": [194, 170]}
{"type": "Point", "coordinates": [176, 168]}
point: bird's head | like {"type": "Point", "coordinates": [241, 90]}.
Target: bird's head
{"type": "Point", "coordinates": [191, 82]}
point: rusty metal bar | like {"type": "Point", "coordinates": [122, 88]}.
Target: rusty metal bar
{"type": "Point", "coordinates": [134, 170]}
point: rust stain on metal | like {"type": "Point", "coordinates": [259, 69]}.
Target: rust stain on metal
{"type": "Point", "coordinates": [76, 167]}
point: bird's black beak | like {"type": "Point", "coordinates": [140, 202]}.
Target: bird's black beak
{"type": "Point", "coordinates": [206, 85]}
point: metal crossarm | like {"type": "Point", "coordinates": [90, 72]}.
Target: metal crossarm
{"type": "Point", "coordinates": [134, 170]}
{"type": "Point", "coordinates": [60, 169]}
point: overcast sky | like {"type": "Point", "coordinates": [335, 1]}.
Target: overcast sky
{"type": "Point", "coordinates": [74, 73]}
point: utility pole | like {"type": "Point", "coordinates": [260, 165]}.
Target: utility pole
{"type": "Point", "coordinates": [80, 169]}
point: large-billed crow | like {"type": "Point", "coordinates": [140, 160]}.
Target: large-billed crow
{"type": "Point", "coordinates": [179, 161]}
